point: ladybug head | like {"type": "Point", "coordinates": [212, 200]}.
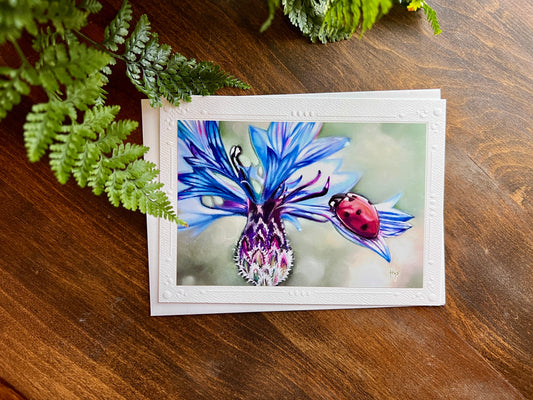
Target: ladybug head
{"type": "Point", "coordinates": [336, 200]}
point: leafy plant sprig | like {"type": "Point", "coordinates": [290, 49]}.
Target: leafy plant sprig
{"type": "Point", "coordinates": [75, 127]}
{"type": "Point", "coordinates": [334, 20]}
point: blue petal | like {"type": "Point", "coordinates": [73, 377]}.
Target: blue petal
{"type": "Point", "coordinates": [300, 135]}
{"type": "Point", "coordinates": [292, 220]}
{"type": "Point", "coordinates": [197, 216]}
{"type": "Point", "coordinates": [377, 244]}
{"type": "Point", "coordinates": [393, 222]}
{"type": "Point", "coordinates": [204, 166]}
{"type": "Point", "coordinates": [259, 140]}
{"type": "Point", "coordinates": [320, 149]}
{"type": "Point", "coordinates": [207, 183]}
{"type": "Point", "coordinates": [202, 138]}
{"type": "Point", "coordinates": [277, 171]}
{"type": "Point", "coordinates": [286, 147]}
{"type": "Point", "coordinates": [312, 212]}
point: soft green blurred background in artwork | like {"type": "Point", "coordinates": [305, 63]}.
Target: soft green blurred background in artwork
{"type": "Point", "coordinates": [390, 159]}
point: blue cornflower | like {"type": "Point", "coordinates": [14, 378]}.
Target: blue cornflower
{"type": "Point", "coordinates": [296, 178]}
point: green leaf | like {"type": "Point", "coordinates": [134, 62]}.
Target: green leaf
{"type": "Point", "coordinates": [78, 131]}
{"type": "Point", "coordinates": [12, 88]}
{"type": "Point", "coordinates": [134, 187]}
{"type": "Point", "coordinates": [95, 121]}
{"type": "Point", "coordinates": [107, 141]}
{"type": "Point", "coordinates": [71, 64]}
{"type": "Point", "coordinates": [156, 72]}
{"type": "Point", "coordinates": [64, 153]}
{"type": "Point", "coordinates": [92, 6]}
{"type": "Point", "coordinates": [115, 32]}
{"type": "Point", "coordinates": [431, 16]}
{"type": "Point", "coordinates": [64, 15]}
{"type": "Point", "coordinates": [136, 43]}
{"type": "Point", "coordinates": [43, 123]}
{"type": "Point", "coordinates": [15, 17]}
{"type": "Point", "coordinates": [273, 5]}
{"type": "Point", "coordinates": [115, 134]}
{"type": "Point", "coordinates": [81, 94]}
{"type": "Point", "coordinates": [334, 20]}
{"type": "Point", "coordinates": [124, 154]}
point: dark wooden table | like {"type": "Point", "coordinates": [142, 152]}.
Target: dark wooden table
{"type": "Point", "coordinates": [74, 300]}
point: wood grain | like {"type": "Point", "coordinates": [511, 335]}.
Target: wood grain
{"type": "Point", "coordinates": [74, 301]}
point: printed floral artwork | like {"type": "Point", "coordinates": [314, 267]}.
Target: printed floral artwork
{"type": "Point", "coordinates": [248, 190]}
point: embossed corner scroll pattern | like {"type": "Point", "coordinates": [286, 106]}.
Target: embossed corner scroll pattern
{"type": "Point", "coordinates": [428, 111]}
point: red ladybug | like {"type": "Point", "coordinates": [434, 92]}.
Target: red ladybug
{"type": "Point", "coordinates": [356, 213]}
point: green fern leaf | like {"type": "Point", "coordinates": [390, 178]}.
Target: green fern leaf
{"type": "Point", "coordinates": [115, 134]}
{"type": "Point", "coordinates": [64, 153]}
{"type": "Point", "coordinates": [65, 15]}
{"type": "Point", "coordinates": [81, 135]}
{"type": "Point", "coordinates": [43, 123]}
{"type": "Point", "coordinates": [273, 5]}
{"type": "Point", "coordinates": [156, 203]}
{"type": "Point", "coordinates": [68, 66]}
{"type": "Point", "coordinates": [156, 72]}
{"type": "Point", "coordinates": [304, 15]}
{"type": "Point", "coordinates": [116, 31]}
{"type": "Point", "coordinates": [85, 162]}
{"type": "Point", "coordinates": [92, 6]}
{"type": "Point", "coordinates": [135, 188]}
{"type": "Point", "coordinates": [15, 17]}
{"type": "Point", "coordinates": [99, 118]}
{"type": "Point", "coordinates": [333, 20]}
{"type": "Point", "coordinates": [95, 120]}
{"type": "Point", "coordinates": [11, 89]}
{"type": "Point", "coordinates": [431, 16]}
{"type": "Point", "coordinates": [124, 154]}
{"type": "Point", "coordinates": [81, 94]}
{"type": "Point", "coordinates": [98, 177]}
{"type": "Point", "coordinates": [136, 42]}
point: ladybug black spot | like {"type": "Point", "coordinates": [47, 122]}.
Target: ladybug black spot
{"type": "Point", "coordinates": [358, 212]}
{"type": "Point", "coordinates": [364, 227]}
{"type": "Point", "coordinates": [346, 214]}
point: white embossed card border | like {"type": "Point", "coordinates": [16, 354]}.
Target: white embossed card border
{"type": "Point", "coordinates": [262, 110]}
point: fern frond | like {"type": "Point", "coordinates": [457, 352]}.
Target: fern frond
{"type": "Point", "coordinates": [64, 15]}
{"type": "Point", "coordinates": [303, 14]}
{"type": "Point", "coordinates": [81, 135]}
{"type": "Point", "coordinates": [95, 119]}
{"type": "Point", "coordinates": [43, 123]}
{"type": "Point", "coordinates": [11, 89]}
{"type": "Point", "coordinates": [64, 153]}
{"type": "Point", "coordinates": [84, 164]}
{"type": "Point", "coordinates": [273, 5]}
{"type": "Point", "coordinates": [134, 187]}
{"type": "Point", "coordinates": [431, 16]}
{"type": "Point", "coordinates": [92, 6]}
{"type": "Point", "coordinates": [115, 134]}
{"type": "Point", "coordinates": [334, 20]}
{"type": "Point", "coordinates": [116, 31]}
{"type": "Point", "coordinates": [156, 72]}
{"type": "Point", "coordinates": [124, 154]}
{"type": "Point", "coordinates": [107, 141]}
{"type": "Point", "coordinates": [62, 65]}
{"type": "Point", "coordinates": [81, 94]}
{"type": "Point", "coordinates": [340, 22]}
{"type": "Point", "coordinates": [16, 16]}
{"type": "Point", "coordinates": [136, 42]}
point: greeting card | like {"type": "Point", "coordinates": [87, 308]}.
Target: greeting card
{"type": "Point", "coordinates": [298, 202]}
